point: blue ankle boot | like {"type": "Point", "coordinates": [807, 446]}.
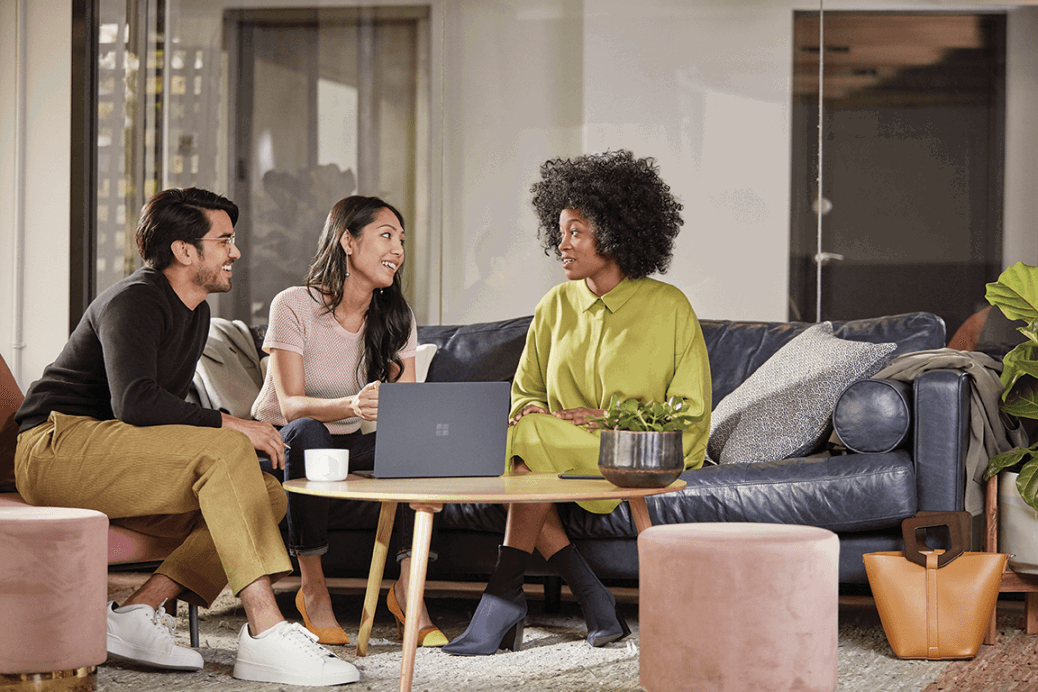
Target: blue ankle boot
{"type": "Point", "coordinates": [498, 620]}
{"type": "Point", "coordinates": [604, 622]}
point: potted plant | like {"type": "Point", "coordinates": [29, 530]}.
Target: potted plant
{"type": "Point", "coordinates": [641, 442]}
{"type": "Point", "coordinates": [1016, 295]}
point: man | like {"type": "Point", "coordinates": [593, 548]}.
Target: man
{"type": "Point", "coordinates": [107, 428]}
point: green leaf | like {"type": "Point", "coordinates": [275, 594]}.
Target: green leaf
{"type": "Point", "coordinates": [1016, 292]}
{"type": "Point", "coordinates": [1021, 361]}
{"type": "Point", "coordinates": [633, 414]}
{"type": "Point", "coordinates": [1027, 482]}
{"type": "Point", "coordinates": [1000, 462]}
{"type": "Point", "coordinates": [1023, 403]}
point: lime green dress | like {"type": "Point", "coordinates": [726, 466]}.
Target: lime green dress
{"type": "Point", "coordinates": [641, 340]}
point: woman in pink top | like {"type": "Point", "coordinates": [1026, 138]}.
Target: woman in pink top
{"type": "Point", "coordinates": [331, 343]}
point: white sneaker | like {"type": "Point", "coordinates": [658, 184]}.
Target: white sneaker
{"type": "Point", "coordinates": [289, 654]}
{"type": "Point", "coordinates": [140, 634]}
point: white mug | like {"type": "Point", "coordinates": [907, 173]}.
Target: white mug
{"type": "Point", "coordinates": [327, 464]}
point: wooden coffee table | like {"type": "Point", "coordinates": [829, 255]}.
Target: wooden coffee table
{"type": "Point", "coordinates": [427, 496]}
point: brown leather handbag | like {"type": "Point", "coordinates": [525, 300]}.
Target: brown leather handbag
{"type": "Point", "coordinates": [933, 603]}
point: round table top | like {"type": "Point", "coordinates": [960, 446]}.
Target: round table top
{"type": "Point", "coordinates": [522, 487]}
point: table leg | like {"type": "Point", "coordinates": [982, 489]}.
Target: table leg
{"type": "Point", "coordinates": [386, 517]}
{"type": "Point", "coordinates": [640, 513]}
{"type": "Point", "coordinates": [423, 522]}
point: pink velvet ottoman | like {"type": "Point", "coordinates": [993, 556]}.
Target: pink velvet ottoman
{"type": "Point", "coordinates": [53, 589]}
{"type": "Point", "coordinates": [738, 607]}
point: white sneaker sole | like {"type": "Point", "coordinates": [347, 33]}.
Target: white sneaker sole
{"type": "Point", "coordinates": [261, 673]}
{"type": "Point", "coordinates": [125, 651]}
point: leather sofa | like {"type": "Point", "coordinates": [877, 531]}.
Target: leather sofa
{"type": "Point", "coordinates": [863, 497]}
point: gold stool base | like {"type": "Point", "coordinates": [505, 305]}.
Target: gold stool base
{"type": "Point", "coordinates": [78, 680]}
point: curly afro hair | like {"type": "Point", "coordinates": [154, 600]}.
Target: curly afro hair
{"type": "Point", "coordinates": [634, 216]}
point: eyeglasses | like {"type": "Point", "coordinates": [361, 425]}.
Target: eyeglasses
{"type": "Point", "coordinates": [227, 240]}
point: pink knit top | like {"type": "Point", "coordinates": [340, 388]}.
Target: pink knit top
{"type": "Point", "coordinates": [332, 357]}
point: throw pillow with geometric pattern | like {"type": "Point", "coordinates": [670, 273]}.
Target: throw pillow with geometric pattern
{"type": "Point", "coordinates": [785, 407]}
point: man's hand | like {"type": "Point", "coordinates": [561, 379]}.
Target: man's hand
{"type": "Point", "coordinates": [580, 415]}
{"type": "Point", "coordinates": [530, 408]}
{"type": "Point", "coordinates": [264, 437]}
{"type": "Point", "coordinates": [365, 403]}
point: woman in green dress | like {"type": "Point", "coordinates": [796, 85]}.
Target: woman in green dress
{"type": "Point", "coordinates": [609, 330]}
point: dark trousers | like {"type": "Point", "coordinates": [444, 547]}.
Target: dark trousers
{"type": "Point", "coordinates": [308, 514]}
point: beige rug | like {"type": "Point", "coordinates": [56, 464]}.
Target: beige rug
{"type": "Point", "coordinates": [556, 658]}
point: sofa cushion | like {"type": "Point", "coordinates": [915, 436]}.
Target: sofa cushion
{"type": "Point", "coordinates": [874, 415]}
{"type": "Point", "coordinates": [785, 407]}
{"type": "Point", "coordinates": [422, 359]}
{"type": "Point", "coordinates": [856, 492]}
{"type": "Point", "coordinates": [483, 352]}
{"type": "Point", "coordinates": [737, 349]}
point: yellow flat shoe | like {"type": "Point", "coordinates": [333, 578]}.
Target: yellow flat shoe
{"type": "Point", "coordinates": [428, 636]}
{"type": "Point", "coordinates": [325, 635]}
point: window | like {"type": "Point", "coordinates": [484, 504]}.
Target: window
{"type": "Point", "coordinates": [284, 111]}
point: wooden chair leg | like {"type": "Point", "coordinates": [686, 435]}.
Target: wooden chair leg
{"type": "Point", "coordinates": [991, 540]}
{"type": "Point", "coordinates": [192, 619]}
{"type": "Point", "coordinates": [1031, 613]}
{"type": "Point", "coordinates": [989, 638]}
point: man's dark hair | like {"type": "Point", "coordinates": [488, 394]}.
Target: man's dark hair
{"type": "Point", "coordinates": [633, 214]}
{"type": "Point", "coordinates": [177, 214]}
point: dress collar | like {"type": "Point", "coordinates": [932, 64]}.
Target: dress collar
{"type": "Point", "coordinates": [614, 300]}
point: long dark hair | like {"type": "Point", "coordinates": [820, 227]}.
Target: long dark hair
{"type": "Point", "coordinates": [388, 319]}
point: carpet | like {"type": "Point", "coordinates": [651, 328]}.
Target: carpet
{"type": "Point", "coordinates": [556, 658]}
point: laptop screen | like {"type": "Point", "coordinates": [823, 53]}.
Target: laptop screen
{"type": "Point", "coordinates": [442, 429]}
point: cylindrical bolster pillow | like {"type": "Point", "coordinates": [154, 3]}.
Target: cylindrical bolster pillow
{"type": "Point", "coordinates": [873, 415]}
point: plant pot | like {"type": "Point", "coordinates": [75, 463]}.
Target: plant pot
{"type": "Point", "coordinates": [1017, 526]}
{"type": "Point", "coordinates": [640, 459]}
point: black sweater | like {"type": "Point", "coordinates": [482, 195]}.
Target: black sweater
{"type": "Point", "coordinates": [131, 358]}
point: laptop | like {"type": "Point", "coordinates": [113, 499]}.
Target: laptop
{"type": "Point", "coordinates": [442, 429]}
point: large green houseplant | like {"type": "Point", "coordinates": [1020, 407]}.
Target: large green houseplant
{"type": "Point", "coordinates": [1016, 295]}
{"type": "Point", "coordinates": [641, 443]}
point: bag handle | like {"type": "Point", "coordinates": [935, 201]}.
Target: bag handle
{"type": "Point", "coordinates": [958, 524]}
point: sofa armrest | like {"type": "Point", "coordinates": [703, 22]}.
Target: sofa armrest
{"type": "Point", "coordinates": [942, 424]}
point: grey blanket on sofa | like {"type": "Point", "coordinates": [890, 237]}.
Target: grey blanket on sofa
{"type": "Point", "coordinates": [991, 431]}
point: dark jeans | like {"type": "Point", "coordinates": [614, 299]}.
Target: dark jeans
{"type": "Point", "coordinates": [308, 514]}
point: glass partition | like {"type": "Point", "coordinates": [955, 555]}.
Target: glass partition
{"type": "Point", "coordinates": [913, 124]}
{"type": "Point", "coordinates": [130, 149]}
{"type": "Point", "coordinates": [284, 111]}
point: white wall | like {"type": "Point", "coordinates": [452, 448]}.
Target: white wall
{"type": "Point", "coordinates": [8, 73]}
{"type": "Point", "coordinates": [512, 99]}
{"type": "Point", "coordinates": [45, 188]}
{"type": "Point", "coordinates": [704, 88]}
{"type": "Point", "coordinates": [1020, 230]}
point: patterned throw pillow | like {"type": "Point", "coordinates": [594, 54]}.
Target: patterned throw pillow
{"type": "Point", "coordinates": [784, 408]}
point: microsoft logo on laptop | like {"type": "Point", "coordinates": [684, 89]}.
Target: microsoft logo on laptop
{"type": "Point", "coordinates": [443, 429]}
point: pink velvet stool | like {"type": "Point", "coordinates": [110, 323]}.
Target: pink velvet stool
{"type": "Point", "coordinates": [738, 608]}
{"type": "Point", "coordinates": [53, 590]}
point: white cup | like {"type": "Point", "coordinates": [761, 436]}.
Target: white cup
{"type": "Point", "coordinates": [327, 464]}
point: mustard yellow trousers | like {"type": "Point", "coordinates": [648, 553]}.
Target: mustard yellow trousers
{"type": "Point", "coordinates": [201, 484]}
